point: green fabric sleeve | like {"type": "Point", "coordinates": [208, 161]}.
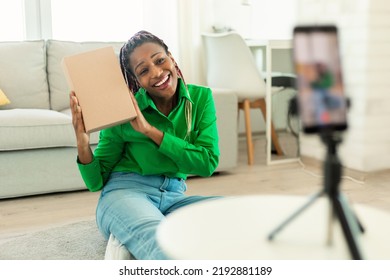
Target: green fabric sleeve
{"type": "Point", "coordinates": [91, 175]}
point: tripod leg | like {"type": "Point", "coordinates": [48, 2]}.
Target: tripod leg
{"type": "Point", "coordinates": [349, 225]}
{"type": "Point", "coordinates": [361, 228]}
{"type": "Point", "coordinates": [329, 240]}
{"type": "Point", "coordinates": [295, 214]}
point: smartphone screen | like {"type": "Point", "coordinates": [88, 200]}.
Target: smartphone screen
{"type": "Point", "coordinates": [321, 99]}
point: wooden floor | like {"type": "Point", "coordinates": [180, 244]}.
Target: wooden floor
{"type": "Point", "coordinates": [38, 212]}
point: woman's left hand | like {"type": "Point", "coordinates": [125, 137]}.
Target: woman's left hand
{"type": "Point", "coordinates": [141, 125]}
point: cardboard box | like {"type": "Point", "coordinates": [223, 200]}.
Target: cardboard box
{"type": "Point", "coordinates": [96, 78]}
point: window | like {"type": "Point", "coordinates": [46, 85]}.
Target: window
{"type": "Point", "coordinates": [12, 20]}
{"type": "Point", "coordinates": [111, 20]}
{"type": "Point", "coordinates": [96, 20]}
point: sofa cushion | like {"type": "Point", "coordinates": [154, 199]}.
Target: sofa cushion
{"type": "Point", "coordinates": [56, 50]}
{"type": "Point", "coordinates": [35, 128]}
{"type": "Point", "coordinates": [23, 74]}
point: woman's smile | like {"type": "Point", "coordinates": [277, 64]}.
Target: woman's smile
{"type": "Point", "coordinates": [164, 82]}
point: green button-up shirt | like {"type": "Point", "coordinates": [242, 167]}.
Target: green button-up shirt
{"type": "Point", "coordinates": [121, 148]}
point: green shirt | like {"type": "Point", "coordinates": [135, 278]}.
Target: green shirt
{"type": "Point", "coordinates": [121, 148]}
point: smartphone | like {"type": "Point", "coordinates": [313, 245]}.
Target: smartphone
{"type": "Point", "coordinates": [321, 99]}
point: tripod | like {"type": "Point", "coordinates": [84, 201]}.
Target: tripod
{"type": "Point", "coordinates": [339, 205]}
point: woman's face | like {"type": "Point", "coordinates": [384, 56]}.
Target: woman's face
{"type": "Point", "coordinates": [155, 70]}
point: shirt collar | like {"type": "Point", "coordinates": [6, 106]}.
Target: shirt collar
{"type": "Point", "coordinates": [144, 100]}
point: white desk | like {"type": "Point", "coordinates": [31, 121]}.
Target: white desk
{"type": "Point", "coordinates": [237, 228]}
{"type": "Point", "coordinates": [269, 46]}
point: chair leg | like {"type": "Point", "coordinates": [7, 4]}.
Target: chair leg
{"type": "Point", "coordinates": [274, 136]}
{"type": "Point", "coordinates": [245, 105]}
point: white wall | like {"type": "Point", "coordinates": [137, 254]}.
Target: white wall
{"type": "Point", "coordinates": [270, 19]}
{"type": "Point", "coordinates": [364, 28]}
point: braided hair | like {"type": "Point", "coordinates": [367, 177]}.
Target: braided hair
{"type": "Point", "coordinates": [135, 41]}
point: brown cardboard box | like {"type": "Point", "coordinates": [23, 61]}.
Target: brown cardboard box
{"type": "Point", "coordinates": [96, 78]}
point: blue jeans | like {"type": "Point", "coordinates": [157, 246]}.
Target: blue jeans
{"type": "Point", "coordinates": [131, 206]}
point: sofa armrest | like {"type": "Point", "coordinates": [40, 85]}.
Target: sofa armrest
{"type": "Point", "coordinates": [226, 107]}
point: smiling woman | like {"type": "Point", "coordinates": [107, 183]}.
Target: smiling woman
{"type": "Point", "coordinates": [141, 167]}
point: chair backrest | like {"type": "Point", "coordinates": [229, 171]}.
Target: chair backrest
{"type": "Point", "coordinates": [230, 64]}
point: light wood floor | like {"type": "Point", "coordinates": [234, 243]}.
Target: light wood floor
{"type": "Point", "coordinates": [38, 212]}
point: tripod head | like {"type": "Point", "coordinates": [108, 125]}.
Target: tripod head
{"type": "Point", "coordinates": [331, 139]}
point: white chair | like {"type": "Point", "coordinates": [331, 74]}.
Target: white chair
{"type": "Point", "coordinates": [231, 65]}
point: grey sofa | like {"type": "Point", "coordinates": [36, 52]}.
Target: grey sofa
{"type": "Point", "coordinates": [37, 142]}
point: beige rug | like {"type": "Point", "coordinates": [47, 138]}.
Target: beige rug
{"type": "Point", "coordinates": [77, 241]}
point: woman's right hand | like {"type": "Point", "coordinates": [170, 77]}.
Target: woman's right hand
{"type": "Point", "coordinates": [82, 137]}
{"type": "Point", "coordinates": [77, 120]}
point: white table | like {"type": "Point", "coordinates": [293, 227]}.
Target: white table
{"type": "Point", "coordinates": [269, 46]}
{"type": "Point", "coordinates": [238, 228]}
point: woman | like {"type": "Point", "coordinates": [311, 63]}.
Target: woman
{"type": "Point", "coordinates": [141, 166]}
